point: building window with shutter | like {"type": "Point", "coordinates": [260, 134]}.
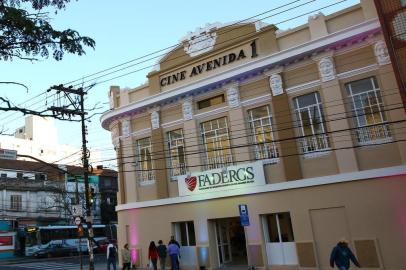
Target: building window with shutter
{"type": "Point", "coordinates": [145, 170]}
{"type": "Point", "coordinates": [260, 121]}
{"type": "Point", "coordinates": [216, 140]}
{"type": "Point", "coordinates": [310, 121]}
{"type": "Point", "coordinates": [368, 111]}
{"type": "Point", "coordinates": [15, 202]}
{"type": "Point", "coordinates": [176, 152]}
{"type": "Point", "coordinates": [185, 233]}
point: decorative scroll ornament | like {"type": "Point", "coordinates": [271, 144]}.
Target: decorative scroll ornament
{"type": "Point", "coordinates": [125, 128]}
{"type": "Point", "coordinates": [275, 81]}
{"type": "Point", "coordinates": [381, 53]}
{"type": "Point", "coordinates": [233, 97]}
{"type": "Point", "coordinates": [200, 41]}
{"type": "Point", "coordinates": [187, 110]}
{"type": "Point", "coordinates": [155, 120]}
{"type": "Point", "coordinates": [326, 69]}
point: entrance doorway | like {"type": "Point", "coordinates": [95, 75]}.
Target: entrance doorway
{"type": "Point", "coordinates": [231, 244]}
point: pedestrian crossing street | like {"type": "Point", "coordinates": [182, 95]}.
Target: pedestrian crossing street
{"type": "Point", "coordinates": [48, 266]}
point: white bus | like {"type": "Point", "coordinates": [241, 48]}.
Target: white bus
{"type": "Point", "coordinates": [39, 238]}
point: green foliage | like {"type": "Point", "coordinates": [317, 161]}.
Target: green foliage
{"type": "Point", "coordinates": [30, 36]}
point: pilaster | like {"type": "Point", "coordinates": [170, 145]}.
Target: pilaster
{"type": "Point", "coordinates": [285, 133]}
{"type": "Point", "coordinates": [335, 112]}
{"type": "Point", "coordinates": [158, 156]}
{"type": "Point", "coordinates": [191, 136]}
{"type": "Point", "coordinates": [238, 128]}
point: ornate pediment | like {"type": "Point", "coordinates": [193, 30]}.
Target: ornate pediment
{"type": "Point", "coordinates": [201, 40]}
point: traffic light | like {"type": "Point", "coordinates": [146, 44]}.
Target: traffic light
{"type": "Point", "coordinates": [92, 195]}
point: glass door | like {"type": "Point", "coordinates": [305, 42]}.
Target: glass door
{"type": "Point", "coordinates": [223, 241]}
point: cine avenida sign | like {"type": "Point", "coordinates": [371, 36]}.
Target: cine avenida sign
{"type": "Point", "coordinates": [234, 177]}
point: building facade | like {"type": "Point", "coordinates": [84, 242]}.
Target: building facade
{"type": "Point", "coordinates": [300, 130]}
{"type": "Point", "coordinates": [39, 138]}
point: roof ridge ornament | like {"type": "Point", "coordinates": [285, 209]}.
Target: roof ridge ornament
{"type": "Point", "coordinates": [201, 40]}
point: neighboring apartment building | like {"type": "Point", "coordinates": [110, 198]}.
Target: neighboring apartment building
{"type": "Point", "coordinates": [301, 129]}
{"type": "Point", "coordinates": [39, 138]}
{"type": "Point", "coordinates": [30, 193]}
{"type": "Point", "coordinates": [33, 193]}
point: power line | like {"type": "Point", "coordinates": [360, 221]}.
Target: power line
{"type": "Point", "coordinates": [200, 151]}
{"type": "Point", "coordinates": [234, 29]}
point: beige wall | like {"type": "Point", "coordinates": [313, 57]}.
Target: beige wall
{"type": "Point", "coordinates": [377, 214]}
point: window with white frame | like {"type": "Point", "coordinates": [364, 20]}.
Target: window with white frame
{"type": "Point", "coordinates": [144, 166]}
{"type": "Point", "coordinates": [176, 149]}
{"type": "Point", "coordinates": [279, 238]}
{"type": "Point", "coordinates": [368, 111]}
{"type": "Point", "coordinates": [15, 202]}
{"type": "Point", "coordinates": [185, 233]}
{"type": "Point", "coordinates": [216, 140]}
{"type": "Point", "coordinates": [310, 121]}
{"type": "Point", "coordinates": [260, 120]}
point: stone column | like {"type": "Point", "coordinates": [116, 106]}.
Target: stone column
{"type": "Point", "coordinates": [335, 113]}
{"type": "Point", "coordinates": [238, 128]}
{"type": "Point", "coordinates": [284, 132]}
{"type": "Point", "coordinates": [191, 131]}
{"type": "Point", "coordinates": [158, 156]}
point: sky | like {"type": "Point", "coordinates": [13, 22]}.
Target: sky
{"type": "Point", "coordinates": [125, 30]}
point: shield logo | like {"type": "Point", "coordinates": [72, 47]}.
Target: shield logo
{"type": "Point", "coordinates": [191, 182]}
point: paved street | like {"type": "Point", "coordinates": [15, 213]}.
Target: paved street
{"type": "Point", "coordinates": [71, 263]}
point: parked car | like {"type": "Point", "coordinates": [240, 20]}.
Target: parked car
{"type": "Point", "coordinates": [102, 245]}
{"type": "Point", "coordinates": [56, 250]}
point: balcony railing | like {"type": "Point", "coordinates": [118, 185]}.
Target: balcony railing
{"type": "Point", "coordinates": [266, 151]}
{"type": "Point", "coordinates": [178, 169]}
{"type": "Point", "coordinates": [218, 162]}
{"type": "Point", "coordinates": [146, 177]}
{"type": "Point", "coordinates": [314, 143]}
{"type": "Point", "coordinates": [373, 134]}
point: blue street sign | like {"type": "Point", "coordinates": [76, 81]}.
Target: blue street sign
{"type": "Point", "coordinates": [244, 218]}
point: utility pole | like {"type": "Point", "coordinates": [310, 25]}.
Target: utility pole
{"type": "Point", "coordinates": [79, 109]}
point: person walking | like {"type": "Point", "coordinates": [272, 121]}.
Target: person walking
{"type": "Point", "coordinates": [162, 254]}
{"type": "Point", "coordinates": [174, 252]}
{"type": "Point", "coordinates": [111, 256]}
{"type": "Point", "coordinates": [173, 240]}
{"type": "Point", "coordinates": [153, 254]}
{"type": "Point", "coordinates": [341, 256]}
{"type": "Point", "coordinates": [126, 257]}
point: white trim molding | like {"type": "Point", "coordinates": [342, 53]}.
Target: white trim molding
{"type": "Point", "coordinates": [303, 183]}
{"type": "Point", "coordinates": [302, 87]}
{"type": "Point", "coordinates": [256, 100]}
{"type": "Point", "coordinates": [354, 72]}
{"type": "Point", "coordinates": [212, 112]}
{"type": "Point", "coordinates": [141, 132]}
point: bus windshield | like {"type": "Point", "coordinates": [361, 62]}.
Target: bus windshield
{"type": "Point", "coordinates": [31, 238]}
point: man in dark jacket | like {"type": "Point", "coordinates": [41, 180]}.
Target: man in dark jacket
{"type": "Point", "coordinates": [341, 256]}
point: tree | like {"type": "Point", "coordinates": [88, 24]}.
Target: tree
{"type": "Point", "coordinates": [30, 36]}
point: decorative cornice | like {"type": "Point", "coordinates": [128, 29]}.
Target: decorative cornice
{"type": "Point", "coordinates": [364, 28]}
